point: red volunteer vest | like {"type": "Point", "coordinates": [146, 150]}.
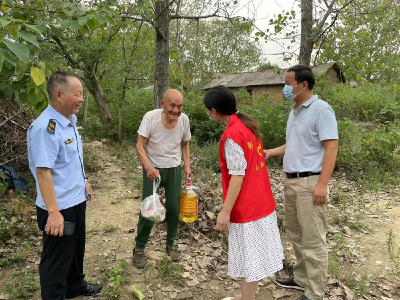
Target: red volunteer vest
{"type": "Point", "coordinates": [255, 200]}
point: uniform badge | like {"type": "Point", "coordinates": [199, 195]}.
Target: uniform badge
{"type": "Point", "coordinates": [51, 128]}
{"type": "Point", "coordinates": [69, 141]}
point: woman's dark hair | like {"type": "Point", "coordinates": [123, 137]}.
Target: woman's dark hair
{"type": "Point", "coordinates": [303, 73]}
{"type": "Point", "coordinates": [224, 101]}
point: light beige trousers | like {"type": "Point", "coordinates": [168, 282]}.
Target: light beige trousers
{"type": "Point", "coordinates": [306, 227]}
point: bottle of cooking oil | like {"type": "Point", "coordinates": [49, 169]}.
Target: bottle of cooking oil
{"type": "Point", "coordinates": [188, 205]}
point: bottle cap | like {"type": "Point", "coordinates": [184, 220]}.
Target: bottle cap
{"type": "Point", "coordinates": [188, 184]}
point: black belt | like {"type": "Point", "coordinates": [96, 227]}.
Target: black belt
{"type": "Point", "coordinates": [301, 174]}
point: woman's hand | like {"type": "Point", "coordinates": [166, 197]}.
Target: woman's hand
{"type": "Point", "coordinates": [223, 221]}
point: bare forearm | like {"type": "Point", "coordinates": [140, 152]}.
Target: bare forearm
{"type": "Point", "coordinates": [143, 157]}
{"type": "Point", "coordinates": [186, 154]}
{"type": "Point", "coordinates": [235, 185]}
{"type": "Point", "coordinates": [46, 187]}
{"type": "Point", "coordinates": [279, 151]}
{"type": "Point", "coordinates": [328, 164]}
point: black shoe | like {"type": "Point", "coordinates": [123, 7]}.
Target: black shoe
{"type": "Point", "coordinates": [89, 290]}
{"type": "Point", "coordinates": [139, 259]}
{"type": "Point", "coordinates": [303, 297]}
{"type": "Point", "coordinates": [174, 253]}
{"type": "Point", "coordinates": [289, 283]}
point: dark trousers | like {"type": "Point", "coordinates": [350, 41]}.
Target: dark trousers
{"type": "Point", "coordinates": [61, 264]}
{"type": "Point", "coordinates": [171, 180]}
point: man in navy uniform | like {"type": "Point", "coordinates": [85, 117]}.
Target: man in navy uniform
{"type": "Point", "coordinates": [56, 161]}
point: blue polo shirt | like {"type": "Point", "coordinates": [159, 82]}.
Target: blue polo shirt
{"type": "Point", "coordinates": [54, 143]}
{"type": "Point", "coordinates": [313, 123]}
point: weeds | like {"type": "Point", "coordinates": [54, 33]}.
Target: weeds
{"type": "Point", "coordinates": [115, 281]}
{"type": "Point", "coordinates": [171, 272]}
{"type": "Point", "coordinates": [361, 286]}
{"type": "Point", "coordinates": [23, 285]}
{"type": "Point", "coordinates": [91, 162]}
{"type": "Point", "coordinates": [110, 228]}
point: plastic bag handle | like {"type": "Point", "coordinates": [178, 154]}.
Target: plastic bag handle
{"type": "Point", "coordinates": [156, 183]}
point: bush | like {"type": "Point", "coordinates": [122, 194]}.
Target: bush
{"type": "Point", "coordinates": [365, 103]}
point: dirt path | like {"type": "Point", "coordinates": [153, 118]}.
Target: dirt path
{"type": "Point", "coordinates": [111, 229]}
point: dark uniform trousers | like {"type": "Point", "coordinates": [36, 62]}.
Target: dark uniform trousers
{"type": "Point", "coordinates": [61, 264]}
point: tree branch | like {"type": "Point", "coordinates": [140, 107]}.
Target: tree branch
{"type": "Point", "coordinates": [73, 63]}
{"type": "Point", "coordinates": [328, 12]}
{"type": "Point", "coordinates": [12, 116]}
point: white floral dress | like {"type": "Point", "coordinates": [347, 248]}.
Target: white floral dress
{"type": "Point", "coordinates": [255, 248]}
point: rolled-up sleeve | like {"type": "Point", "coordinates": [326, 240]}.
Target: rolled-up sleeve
{"type": "Point", "coordinates": [44, 148]}
{"type": "Point", "coordinates": [234, 156]}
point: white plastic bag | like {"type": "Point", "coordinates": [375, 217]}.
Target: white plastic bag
{"type": "Point", "coordinates": [151, 207]}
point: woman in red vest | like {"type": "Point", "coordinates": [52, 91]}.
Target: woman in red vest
{"type": "Point", "coordinates": [255, 249]}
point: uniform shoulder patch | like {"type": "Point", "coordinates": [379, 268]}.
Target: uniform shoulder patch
{"type": "Point", "coordinates": [51, 127]}
{"type": "Point", "coordinates": [69, 141]}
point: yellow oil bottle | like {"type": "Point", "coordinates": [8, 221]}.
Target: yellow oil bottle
{"type": "Point", "coordinates": [188, 205]}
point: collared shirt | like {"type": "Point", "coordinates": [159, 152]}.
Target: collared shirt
{"type": "Point", "coordinates": [313, 123]}
{"type": "Point", "coordinates": [58, 148]}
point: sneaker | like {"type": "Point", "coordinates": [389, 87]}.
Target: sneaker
{"type": "Point", "coordinates": [289, 283]}
{"type": "Point", "coordinates": [303, 297]}
{"type": "Point", "coordinates": [89, 290]}
{"type": "Point", "coordinates": [139, 259]}
{"type": "Point", "coordinates": [174, 253]}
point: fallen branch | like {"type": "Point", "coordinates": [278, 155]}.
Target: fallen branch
{"type": "Point", "coordinates": [12, 116]}
{"type": "Point", "coordinates": [3, 163]}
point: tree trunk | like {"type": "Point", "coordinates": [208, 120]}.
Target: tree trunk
{"type": "Point", "coordinates": [86, 95]}
{"type": "Point", "coordinates": [162, 51]}
{"type": "Point", "coordinates": [95, 89]}
{"type": "Point", "coordinates": [121, 104]}
{"type": "Point", "coordinates": [307, 43]}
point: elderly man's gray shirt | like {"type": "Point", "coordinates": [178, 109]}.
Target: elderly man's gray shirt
{"type": "Point", "coordinates": [313, 123]}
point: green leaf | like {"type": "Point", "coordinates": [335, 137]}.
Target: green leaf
{"type": "Point", "coordinates": [34, 98]}
{"type": "Point", "coordinates": [41, 106]}
{"type": "Point", "coordinates": [41, 26]}
{"type": "Point", "coordinates": [2, 84]}
{"type": "Point", "coordinates": [137, 292]}
{"type": "Point", "coordinates": [2, 36]}
{"type": "Point", "coordinates": [1, 61]}
{"type": "Point", "coordinates": [48, 58]}
{"type": "Point", "coordinates": [8, 56]}
{"type": "Point", "coordinates": [14, 31]}
{"type": "Point", "coordinates": [21, 70]}
{"type": "Point", "coordinates": [8, 91]}
{"type": "Point", "coordinates": [140, 3]}
{"type": "Point", "coordinates": [23, 97]}
{"type": "Point", "coordinates": [34, 28]}
{"type": "Point", "coordinates": [30, 37]}
{"type": "Point", "coordinates": [56, 31]}
{"type": "Point", "coordinates": [39, 4]}
{"type": "Point", "coordinates": [82, 21]}
{"type": "Point", "coordinates": [5, 21]}
{"type": "Point", "coordinates": [18, 85]}
{"type": "Point", "coordinates": [91, 24]}
{"type": "Point", "coordinates": [70, 24]}
{"type": "Point", "coordinates": [38, 76]}
{"type": "Point", "coordinates": [100, 19]}
{"type": "Point", "coordinates": [10, 3]}
{"type": "Point", "coordinates": [19, 50]}
{"type": "Point", "coordinates": [51, 67]}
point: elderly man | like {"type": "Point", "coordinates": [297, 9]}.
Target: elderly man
{"type": "Point", "coordinates": [309, 158]}
{"type": "Point", "coordinates": [56, 161]}
{"type": "Point", "coordinates": [163, 138]}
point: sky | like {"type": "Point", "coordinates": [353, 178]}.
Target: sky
{"type": "Point", "coordinates": [264, 10]}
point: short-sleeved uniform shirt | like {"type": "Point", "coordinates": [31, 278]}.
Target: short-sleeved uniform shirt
{"type": "Point", "coordinates": [163, 148]}
{"type": "Point", "coordinates": [313, 123]}
{"type": "Point", "coordinates": [54, 143]}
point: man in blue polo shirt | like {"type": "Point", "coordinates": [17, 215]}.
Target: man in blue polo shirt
{"type": "Point", "coordinates": [309, 158]}
{"type": "Point", "coordinates": [56, 161]}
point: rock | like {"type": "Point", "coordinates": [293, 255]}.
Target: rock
{"type": "Point", "coordinates": [184, 296]}
{"type": "Point", "coordinates": [4, 297]}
